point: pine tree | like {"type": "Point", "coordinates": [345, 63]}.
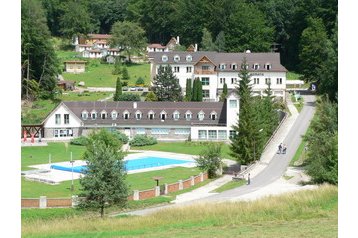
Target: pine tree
{"type": "Point", "coordinates": [224, 93]}
{"type": "Point", "coordinates": [200, 91]}
{"type": "Point", "coordinates": [243, 144]}
{"type": "Point", "coordinates": [166, 85]}
{"type": "Point", "coordinates": [151, 97]}
{"type": "Point", "coordinates": [207, 41]}
{"type": "Point", "coordinates": [188, 90]}
{"type": "Point", "coordinates": [194, 95]}
{"type": "Point", "coordinates": [125, 75]}
{"type": "Point", "coordinates": [104, 184]}
{"type": "Point", "coordinates": [118, 92]}
{"type": "Point", "coordinates": [220, 42]}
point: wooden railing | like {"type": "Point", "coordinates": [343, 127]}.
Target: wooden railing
{"type": "Point", "coordinates": [200, 71]}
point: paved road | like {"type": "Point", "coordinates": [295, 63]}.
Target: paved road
{"type": "Point", "coordinates": [273, 171]}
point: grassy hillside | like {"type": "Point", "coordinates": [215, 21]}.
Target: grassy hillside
{"type": "Point", "coordinates": [302, 214]}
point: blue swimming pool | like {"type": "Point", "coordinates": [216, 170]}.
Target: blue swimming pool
{"type": "Point", "coordinates": [140, 163]}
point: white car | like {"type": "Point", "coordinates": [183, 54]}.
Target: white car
{"type": "Point", "coordinates": [133, 89]}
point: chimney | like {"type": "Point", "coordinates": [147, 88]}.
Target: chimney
{"type": "Point", "coordinates": [178, 40]}
{"type": "Point", "coordinates": [134, 105]}
{"type": "Point", "coordinates": [196, 47]}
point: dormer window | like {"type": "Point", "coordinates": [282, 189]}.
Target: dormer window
{"type": "Point", "coordinates": [103, 114]}
{"type": "Point", "coordinates": [201, 115]}
{"type": "Point", "coordinates": [114, 115]}
{"type": "Point", "coordinates": [189, 58]}
{"type": "Point", "coordinates": [84, 115]}
{"type": "Point", "coordinates": [267, 66]}
{"type": "Point", "coordinates": [94, 115]}
{"type": "Point", "coordinates": [138, 115]}
{"type": "Point", "coordinates": [126, 115]}
{"type": "Point", "coordinates": [222, 66]}
{"type": "Point", "coordinates": [164, 58]}
{"type": "Point", "coordinates": [256, 66]}
{"type": "Point", "coordinates": [176, 58]}
{"type": "Point", "coordinates": [163, 115]}
{"type": "Point", "coordinates": [151, 115]}
{"type": "Point", "coordinates": [176, 115]}
{"type": "Point", "coordinates": [188, 115]}
{"type": "Point", "coordinates": [234, 66]}
{"type": "Point", "coordinates": [213, 115]}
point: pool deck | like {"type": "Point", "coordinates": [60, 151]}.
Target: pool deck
{"type": "Point", "coordinates": [55, 176]}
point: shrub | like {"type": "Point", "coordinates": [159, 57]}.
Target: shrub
{"type": "Point", "coordinates": [121, 136]}
{"type": "Point", "coordinates": [142, 140]}
{"type": "Point", "coordinates": [129, 97]}
{"type": "Point", "coordinates": [210, 159]}
{"type": "Point", "coordinates": [82, 140]}
{"type": "Point", "coordinates": [140, 81]}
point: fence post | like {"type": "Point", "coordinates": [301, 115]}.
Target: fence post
{"type": "Point", "coordinates": [201, 177]}
{"type": "Point", "coordinates": [165, 188]}
{"type": "Point", "coordinates": [157, 191]}
{"type": "Point", "coordinates": [74, 200]}
{"type": "Point", "coordinates": [43, 201]}
{"type": "Point", "coordinates": [135, 195]}
{"type": "Point", "coordinates": [192, 183]}
{"type": "Point", "coordinates": [180, 184]}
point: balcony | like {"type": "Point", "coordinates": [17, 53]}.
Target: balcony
{"type": "Point", "coordinates": [200, 71]}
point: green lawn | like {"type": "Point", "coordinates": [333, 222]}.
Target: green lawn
{"type": "Point", "coordinates": [100, 74]}
{"type": "Point", "coordinates": [230, 185]}
{"type": "Point", "coordinates": [191, 148]}
{"type": "Point", "coordinates": [312, 213]}
{"type": "Point", "coordinates": [293, 75]}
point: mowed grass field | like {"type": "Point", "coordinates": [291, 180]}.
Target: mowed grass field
{"type": "Point", "coordinates": [303, 214]}
{"type": "Point", "coordinates": [60, 152]}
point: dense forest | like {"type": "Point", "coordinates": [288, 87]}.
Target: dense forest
{"type": "Point", "coordinates": [303, 31]}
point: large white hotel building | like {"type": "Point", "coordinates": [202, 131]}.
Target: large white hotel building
{"type": "Point", "coordinates": [214, 69]}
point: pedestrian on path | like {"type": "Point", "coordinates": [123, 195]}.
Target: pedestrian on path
{"type": "Point", "coordinates": [284, 149]}
{"type": "Point", "coordinates": [280, 148]}
{"type": "Point", "coordinates": [248, 179]}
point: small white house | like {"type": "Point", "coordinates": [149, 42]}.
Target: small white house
{"type": "Point", "coordinates": [75, 66]}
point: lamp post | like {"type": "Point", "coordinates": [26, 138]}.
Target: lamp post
{"type": "Point", "coordinates": [255, 145]}
{"type": "Point", "coordinates": [72, 186]}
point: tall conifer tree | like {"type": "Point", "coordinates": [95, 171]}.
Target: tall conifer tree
{"type": "Point", "coordinates": [188, 90]}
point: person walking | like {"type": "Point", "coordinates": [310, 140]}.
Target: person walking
{"type": "Point", "coordinates": [280, 148]}
{"type": "Point", "coordinates": [248, 179]}
{"type": "Point", "coordinates": [284, 149]}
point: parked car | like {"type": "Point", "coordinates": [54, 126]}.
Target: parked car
{"type": "Point", "coordinates": [140, 88]}
{"type": "Point", "coordinates": [125, 89]}
{"type": "Point", "coordinates": [133, 89]}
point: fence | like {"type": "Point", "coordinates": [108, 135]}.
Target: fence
{"type": "Point", "coordinates": [44, 202]}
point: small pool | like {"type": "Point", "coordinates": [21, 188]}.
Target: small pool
{"type": "Point", "coordinates": [140, 163]}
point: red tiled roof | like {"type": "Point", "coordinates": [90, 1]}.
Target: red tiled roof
{"type": "Point", "coordinates": [156, 46]}
{"type": "Point", "coordinates": [75, 61]}
{"type": "Point", "coordinates": [99, 36]}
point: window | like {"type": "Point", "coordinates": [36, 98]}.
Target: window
{"type": "Point", "coordinates": [151, 115]}
{"type": "Point", "coordinates": [176, 69]}
{"type": "Point", "coordinates": [163, 116]}
{"type": "Point", "coordinates": [126, 115]}
{"type": "Point", "coordinates": [267, 80]}
{"type": "Point", "coordinates": [213, 116]}
{"type": "Point", "coordinates": [205, 81]}
{"type": "Point", "coordinates": [213, 134]}
{"type": "Point", "coordinates": [63, 132]}
{"type": "Point", "coordinates": [202, 134]}
{"type": "Point", "coordinates": [176, 115]}
{"type": "Point", "coordinates": [206, 94]}
{"type": "Point", "coordinates": [232, 134]}
{"type": "Point", "coordinates": [256, 81]}
{"type": "Point", "coordinates": [233, 103]}
{"type": "Point", "coordinates": [189, 69]}
{"type": "Point", "coordinates": [57, 119]}
{"type": "Point", "coordinates": [138, 115]}
{"type": "Point", "coordinates": [201, 115]}
{"type": "Point", "coordinates": [222, 80]}
{"type": "Point", "coordinates": [103, 115]}
{"type": "Point", "coordinates": [205, 67]}
{"type": "Point", "coordinates": [222, 134]}
{"type": "Point", "coordinates": [182, 131]}
{"type": "Point", "coordinates": [114, 115]}
{"type": "Point", "coordinates": [279, 81]}
{"type": "Point", "coordinates": [140, 131]}
{"type": "Point", "coordinates": [234, 66]}
{"type": "Point", "coordinates": [267, 66]}
{"type": "Point", "coordinates": [164, 58]}
{"type": "Point", "coordinates": [189, 58]}
{"type": "Point", "coordinates": [233, 80]}
{"type": "Point", "coordinates": [176, 58]}
{"type": "Point", "coordinates": [222, 66]}
{"type": "Point", "coordinates": [188, 116]}
{"type": "Point", "coordinates": [66, 118]}
{"type": "Point", "coordinates": [256, 66]}
{"type": "Point", "coordinates": [160, 131]}
{"type": "Point", "coordinates": [93, 115]}
{"type": "Point", "coordinates": [84, 115]}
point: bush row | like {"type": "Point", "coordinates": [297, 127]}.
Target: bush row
{"type": "Point", "coordinates": [138, 140]}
